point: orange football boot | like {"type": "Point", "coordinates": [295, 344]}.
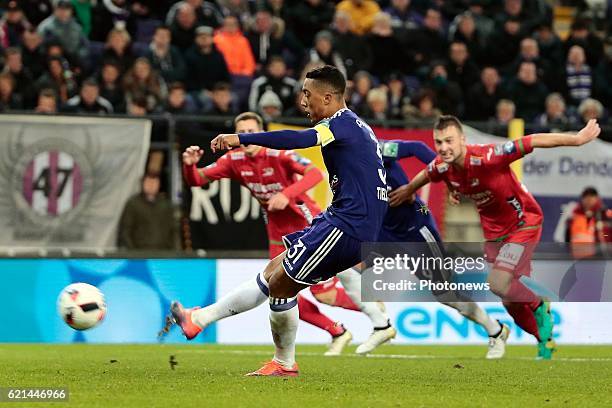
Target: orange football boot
{"type": "Point", "coordinates": [182, 317]}
{"type": "Point", "coordinates": [275, 369]}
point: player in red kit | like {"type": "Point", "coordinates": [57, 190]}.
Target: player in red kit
{"type": "Point", "coordinates": [510, 216]}
{"type": "Point", "coordinates": [272, 177]}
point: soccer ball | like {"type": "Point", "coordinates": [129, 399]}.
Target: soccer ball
{"type": "Point", "coordinates": [81, 306]}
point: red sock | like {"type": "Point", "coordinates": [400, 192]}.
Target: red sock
{"type": "Point", "coordinates": [344, 301]}
{"type": "Point", "coordinates": [309, 312]}
{"type": "Point", "coordinates": [524, 317]}
{"type": "Point", "coordinates": [520, 293]}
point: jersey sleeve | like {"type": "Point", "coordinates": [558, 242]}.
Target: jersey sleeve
{"type": "Point", "coordinates": [502, 154]}
{"type": "Point", "coordinates": [222, 168]}
{"type": "Point", "coordinates": [295, 163]}
{"type": "Point", "coordinates": [399, 149]}
{"type": "Point", "coordinates": [437, 170]}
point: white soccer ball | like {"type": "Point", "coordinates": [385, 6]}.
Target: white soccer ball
{"type": "Point", "coordinates": [81, 306]}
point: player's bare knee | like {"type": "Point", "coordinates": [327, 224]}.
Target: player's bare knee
{"type": "Point", "coordinates": [281, 286]}
{"type": "Point", "coordinates": [327, 297]}
{"type": "Point", "coordinates": [272, 266]}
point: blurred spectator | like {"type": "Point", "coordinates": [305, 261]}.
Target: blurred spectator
{"type": "Point", "coordinates": [179, 102]}
{"type": "Point", "coordinates": [555, 118]}
{"type": "Point", "coordinates": [527, 92]}
{"type": "Point", "coordinates": [164, 57]}
{"type": "Point", "coordinates": [463, 29]}
{"type": "Point", "coordinates": [9, 100]}
{"type": "Point", "coordinates": [516, 9]}
{"type": "Point", "coordinates": [448, 96]}
{"type": "Point", "coordinates": [484, 25]}
{"type": "Point", "coordinates": [402, 16]}
{"type": "Point", "coordinates": [151, 9]}
{"type": "Point", "coordinates": [397, 96]}
{"type": "Point", "coordinates": [147, 221]}
{"type": "Point", "coordinates": [377, 104]}
{"type": "Point", "coordinates": [137, 106]}
{"type": "Point", "coordinates": [429, 42]}
{"type": "Point", "coordinates": [275, 80]}
{"type": "Point", "coordinates": [22, 77]}
{"type": "Point", "coordinates": [205, 64]}
{"type": "Point", "coordinates": [267, 37]}
{"type": "Point", "coordinates": [362, 14]}
{"type": "Point", "coordinates": [308, 17]}
{"type": "Point", "coordinates": [582, 36]}
{"type": "Point", "coordinates": [270, 106]}
{"type": "Point", "coordinates": [61, 26]}
{"type": "Point", "coordinates": [387, 51]}
{"type": "Point", "coordinates": [591, 222]}
{"type": "Point", "coordinates": [222, 101]}
{"type": "Point", "coordinates": [504, 111]}
{"type": "Point", "coordinates": [278, 9]}
{"type": "Point", "coordinates": [110, 86]}
{"type": "Point", "coordinates": [32, 52]}
{"type": "Point", "coordinates": [354, 49]}
{"type": "Point", "coordinates": [362, 85]}
{"type": "Point", "coordinates": [118, 49]}
{"type": "Point", "coordinates": [235, 48]}
{"type": "Point", "coordinates": [47, 101]}
{"type": "Point", "coordinates": [83, 12]}
{"type": "Point", "coordinates": [482, 98]}
{"type": "Point", "coordinates": [591, 109]}
{"type": "Point", "coordinates": [324, 52]}
{"type": "Point", "coordinates": [602, 86]}
{"type": "Point", "coordinates": [423, 107]}
{"type": "Point", "coordinates": [54, 49]}
{"type": "Point", "coordinates": [184, 26]}
{"type": "Point", "coordinates": [239, 8]}
{"type": "Point", "coordinates": [529, 51]}
{"type": "Point", "coordinates": [59, 78]}
{"type": "Point", "coordinates": [89, 100]}
{"type": "Point", "coordinates": [141, 81]}
{"type": "Point", "coordinates": [12, 25]}
{"type": "Point", "coordinates": [504, 43]}
{"type": "Point", "coordinates": [207, 13]}
{"type": "Point", "coordinates": [36, 10]}
{"type": "Point", "coordinates": [461, 68]}
{"type": "Point", "coordinates": [578, 79]}
{"type": "Point", "coordinates": [550, 45]}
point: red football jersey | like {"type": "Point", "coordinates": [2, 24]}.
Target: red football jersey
{"type": "Point", "coordinates": [266, 173]}
{"type": "Point", "coordinates": [503, 203]}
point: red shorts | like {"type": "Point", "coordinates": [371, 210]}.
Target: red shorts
{"type": "Point", "coordinates": [513, 254]}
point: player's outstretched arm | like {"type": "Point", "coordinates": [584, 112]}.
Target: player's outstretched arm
{"type": "Point", "coordinates": [405, 193]}
{"type": "Point", "coordinates": [193, 176]}
{"type": "Point", "coordinates": [585, 135]}
{"type": "Point", "coordinates": [280, 139]}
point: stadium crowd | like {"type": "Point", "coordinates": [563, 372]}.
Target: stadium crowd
{"type": "Point", "coordinates": [483, 60]}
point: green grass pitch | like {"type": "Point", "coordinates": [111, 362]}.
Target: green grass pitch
{"type": "Point", "coordinates": [396, 376]}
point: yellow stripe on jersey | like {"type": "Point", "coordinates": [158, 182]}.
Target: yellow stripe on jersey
{"type": "Point", "coordinates": [325, 134]}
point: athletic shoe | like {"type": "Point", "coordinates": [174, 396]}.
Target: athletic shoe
{"type": "Point", "coordinates": [182, 317]}
{"type": "Point", "coordinates": [339, 343]}
{"type": "Point", "coordinates": [377, 338]}
{"type": "Point", "coordinates": [497, 344]}
{"type": "Point", "coordinates": [544, 320]}
{"type": "Point", "coordinates": [275, 369]}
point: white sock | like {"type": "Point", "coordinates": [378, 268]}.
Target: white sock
{"type": "Point", "coordinates": [284, 319]}
{"type": "Point", "coordinates": [351, 280]}
{"type": "Point", "coordinates": [247, 296]}
{"type": "Point", "coordinates": [472, 311]}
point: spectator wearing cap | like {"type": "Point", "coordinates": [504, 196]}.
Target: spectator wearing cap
{"type": "Point", "coordinates": [323, 52]}
{"type": "Point", "coordinates": [578, 80]}
{"type": "Point", "coordinates": [483, 96]}
{"type": "Point", "coordinates": [403, 17]}
{"type": "Point", "coordinates": [9, 100]}
{"type": "Point", "coordinates": [32, 52]}
{"type": "Point", "coordinates": [527, 92]}
{"type": "Point", "coordinates": [275, 80]}
{"type": "Point", "coordinates": [118, 49]}
{"type": "Point", "coordinates": [164, 57]}
{"type": "Point", "coordinates": [46, 102]}
{"type": "Point", "coordinates": [387, 51]}
{"type": "Point", "coordinates": [235, 48]}
{"type": "Point", "coordinates": [591, 109]}
{"type": "Point", "coordinates": [143, 82]}
{"type": "Point", "coordinates": [62, 27]}
{"type": "Point", "coordinates": [362, 14]}
{"type": "Point", "coordinates": [582, 36]}
{"type": "Point", "coordinates": [309, 17]}
{"type": "Point", "coordinates": [603, 76]}
{"type": "Point", "coordinates": [205, 64]}
{"type": "Point", "coordinates": [12, 25]}
{"type": "Point", "coordinates": [88, 101]}
{"type": "Point", "coordinates": [354, 49]}
{"type": "Point", "coordinates": [428, 43]}
{"type": "Point", "coordinates": [109, 79]}
{"type": "Point", "coordinates": [555, 117]}
{"type": "Point", "coordinates": [270, 106]}
{"type": "Point", "coordinates": [208, 14]}
{"type": "Point", "coordinates": [222, 101]}
{"type": "Point", "coordinates": [179, 101]}
{"type": "Point", "coordinates": [463, 29]}
{"type": "Point", "coordinates": [183, 27]}
{"type": "Point", "coordinates": [461, 68]}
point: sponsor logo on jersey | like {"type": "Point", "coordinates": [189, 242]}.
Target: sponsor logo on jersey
{"type": "Point", "coordinates": [246, 173]}
{"type": "Point", "coordinates": [237, 156]}
{"type": "Point", "coordinates": [268, 171]}
{"type": "Point", "coordinates": [498, 149]}
{"type": "Point", "coordinates": [299, 159]}
{"type": "Point", "coordinates": [442, 167]}
{"type": "Point", "coordinates": [516, 204]}
{"type": "Point", "coordinates": [481, 198]}
{"type": "Point", "coordinates": [509, 147]}
{"type": "Point", "coordinates": [475, 160]}
{"type": "Point", "coordinates": [264, 191]}
{"type": "Point", "coordinates": [306, 212]}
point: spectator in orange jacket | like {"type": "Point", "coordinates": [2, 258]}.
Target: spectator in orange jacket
{"type": "Point", "coordinates": [591, 223]}
{"type": "Point", "coordinates": [235, 48]}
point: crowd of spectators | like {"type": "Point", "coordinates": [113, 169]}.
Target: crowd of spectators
{"type": "Point", "coordinates": [484, 60]}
